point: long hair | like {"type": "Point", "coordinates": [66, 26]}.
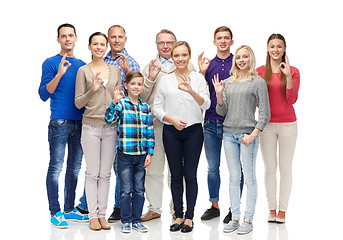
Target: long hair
{"type": "Point", "coordinates": [252, 64]}
{"type": "Point", "coordinates": [268, 68]}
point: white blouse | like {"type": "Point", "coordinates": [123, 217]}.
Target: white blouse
{"type": "Point", "coordinates": [169, 99]}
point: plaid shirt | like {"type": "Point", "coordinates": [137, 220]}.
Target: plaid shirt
{"type": "Point", "coordinates": [136, 132]}
{"type": "Point", "coordinates": [132, 63]}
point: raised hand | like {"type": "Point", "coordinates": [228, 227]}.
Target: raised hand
{"type": "Point", "coordinates": [97, 82]}
{"type": "Point", "coordinates": [203, 63]}
{"type": "Point", "coordinates": [124, 63]}
{"type": "Point", "coordinates": [285, 67]}
{"type": "Point", "coordinates": [64, 65]}
{"type": "Point", "coordinates": [118, 94]}
{"type": "Point", "coordinates": [154, 70]}
{"type": "Point", "coordinates": [185, 85]}
{"type": "Point", "coordinates": [218, 85]}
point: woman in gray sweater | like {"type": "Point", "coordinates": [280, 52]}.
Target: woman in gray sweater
{"type": "Point", "coordinates": [237, 99]}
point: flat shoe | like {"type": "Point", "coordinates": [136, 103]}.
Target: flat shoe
{"type": "Point", "coordinates": [271, 219]}
{"type": "Point", "coordinates": [280, 220]}
{"type": "Point", "coordinates": [104, 224]}
{"type": "Point", "coordinates": [176, 227]}
{"type": "Point", "coordinates": [94, 224]}
{"type": "Point", "coordinates": [186, 229]}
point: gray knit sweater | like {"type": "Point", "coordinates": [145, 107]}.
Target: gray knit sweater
{"type": "Point", "coordinates": [240, 102]}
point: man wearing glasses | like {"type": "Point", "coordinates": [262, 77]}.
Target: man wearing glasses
{"type": "Point", "coordinates": [153, 72]}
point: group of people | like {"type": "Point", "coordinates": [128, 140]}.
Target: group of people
{"type": "Point", "coordinates": [129, 120]}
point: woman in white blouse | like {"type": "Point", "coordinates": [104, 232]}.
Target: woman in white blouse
{"type": "Point", "coordinates": [181, 98]}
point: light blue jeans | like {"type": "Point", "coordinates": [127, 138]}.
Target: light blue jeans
{"type": "Point", "coordinates": [240, 156]}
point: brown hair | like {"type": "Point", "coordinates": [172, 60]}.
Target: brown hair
{"type": "Point", "coordinates": [97, 34]}
{"type": "Point", "coordinates": [181, 43]}
{"type": "Point", "coordinates": [268, 68]}
{"type": "Point", "coordinates": [131, 75]}
{"type": "Point", "coordinates": [223, 29]}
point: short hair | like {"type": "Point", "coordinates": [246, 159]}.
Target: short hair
{"type": "Point", "coordinates": [131, 75]}
{"type": "Point", "coordinates": [181, 43]}
{"type": "Point", "coordinates": [223, 29]}
{"type": "Point", "coordinates": [165, 31]}
{"type": "Point", "coordinates": [65, 25]}
{"type": "Point", "coordinates": [108, 32]}
{"type": "Point", "coordinates": [97, 34]}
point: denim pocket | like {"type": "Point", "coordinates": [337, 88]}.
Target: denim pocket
{"type": "Point", "coordinates": [57, 122]}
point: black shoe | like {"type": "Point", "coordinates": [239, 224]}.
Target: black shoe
{"type": "Point", "coordinates": [210, 213]}
{"type": "Point", "coordinates": [186, 229]}
{"type": "Point", "coordinates": [115, 216]}
{"type": "Point", "coordinates": [228, 217]}
{"type": "Point", "coordinates": [176, 227]}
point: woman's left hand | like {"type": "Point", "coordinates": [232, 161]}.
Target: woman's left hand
{"type": "Point", "coordinates": [285, 67]}
{"type": "Point", "coordinates": [185, 85]}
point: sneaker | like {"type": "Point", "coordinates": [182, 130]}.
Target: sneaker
{"type": "Point", "coordinates": [126, 228]}
{"type": "Point", "coordinates": [58, 221]}
{"type": "Point", "coordinates": [210, 213]}
{"type": "Point", "coordinates": [245, 228]}
{"type": "Point", "coordinates": [76, 215]}
{"type": "Point", "coordinates": [228, 217]}
{"type": "Point", "coordinates": [115, 216]}
{"type": "Point", "coordinates": [139, 227]}
{"type": "Point", "coordinates": [231, 226]}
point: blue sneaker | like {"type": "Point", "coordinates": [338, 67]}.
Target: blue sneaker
{"type": "Point", "coordinates": [58, 221]}
{"type": "Point", "coordinates": [139, 227]}
{"type": "Point", "coordinates": [76, 216]}
{"type": "Point", "coordinates": [126, 228]}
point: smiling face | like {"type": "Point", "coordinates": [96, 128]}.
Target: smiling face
{"type": "Point", "coordinates": [164, 44]}
{"type": "Point", "coordinates": [181, 57]}
{"type": "Point", "coordinates": [117, 39]}
{"type": "Point", "coordinates": [134, 87]}
{"type": "Point", "coordinates": [243, 59]}
{"type": "Point", "coordinates": [276, 49]}
{"type": "Point", "coordinates": [223, 41]}
{"type": "Point", "coordinates": [67, 39]}
{"type": "Point", "coordinates": [98, 46]}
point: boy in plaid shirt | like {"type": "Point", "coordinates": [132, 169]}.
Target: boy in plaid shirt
{"type": "Point", "coordinates": [135, 148]}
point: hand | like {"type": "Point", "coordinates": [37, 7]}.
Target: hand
{"type": "Point", "coordinates": [64, 65]}
{"type": "Point", "coordinates": [285, 67]}
{"type": "Point", "coordinates": [118, 94]}
{"type": "Point", "coordinates": [97, 82]}
{"type": "Point", "coordinates": [178, 124]}
{"type": "Point", "coordinates": [124, 63]}
{"type": "Point", "coordinates": [154, 70]}
{"type": "Point", "coordinates": [203, 63]}
{"type": "Point", "coordinates": [185, 85]}
{"type": "Point", "coordinates": [247, 139]}
{"type": "Point", "coordinates": [218, 85]}
{"type": "Point", "coordinates": [147, 161]}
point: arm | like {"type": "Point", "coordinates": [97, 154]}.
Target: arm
{"type": "Point", "coordinates": [203, 63]}
{"type": "Point", "coordinates": [112, 113]}
{"type": "Point", "coordinates": [219, 87]}
{"type": "Point", "coordinates": [62, 68]}
{"type": "Point", "coordinates": [293, 81]}
{"type": "Point", "coordinates": [150, 73]}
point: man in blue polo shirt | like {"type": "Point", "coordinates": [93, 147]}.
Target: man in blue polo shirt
{"type": "Point", "coordinates": [58, 84]}
{"type": "Point", "coordinates": [213, 123]}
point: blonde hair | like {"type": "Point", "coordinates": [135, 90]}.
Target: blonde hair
{"type": "Point", "coordinates": [181, 43]}
{"type": "Point", "coordinates": [235, 72]}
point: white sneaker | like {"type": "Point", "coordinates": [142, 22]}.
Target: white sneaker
{"type": "Point", "coordinates": [231, 226]}
{"type": "Point", "coordinates": [245, 228]}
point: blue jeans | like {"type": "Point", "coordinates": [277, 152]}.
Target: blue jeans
{"type": "Point", "coordinates": [213, 136]}
{"type": "Point", "coordinates": [132, 178]}
{"type": "Point", "coordinates": [183, 149]}
{"type": "Point", "coordinates": [240, 156]}
{"type": "Point", "coordinates": [61, 133]}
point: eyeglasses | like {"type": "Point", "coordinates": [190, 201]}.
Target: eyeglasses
{"type": "Point", "coordinates": [162, 44]}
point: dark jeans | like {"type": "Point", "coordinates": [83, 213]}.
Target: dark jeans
{"type": "Point", "coordinates": [183, 149]}
{"type": "Point", "coordinates": [132, 178]}
{"type": "Point", "coordinates": [62, 133]}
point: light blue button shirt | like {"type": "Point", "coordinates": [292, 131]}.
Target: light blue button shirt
{"type": "Point", "coordinates": [167, 63]}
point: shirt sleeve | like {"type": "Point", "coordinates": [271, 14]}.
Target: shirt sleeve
{"type": "Point", "coordinates": [204, 93]}
{"type": "Point", "coordinates": [150, 134]}
{"type": "Point", "coordinates": [112, 112]}
{"type": "Point", "coordinates": [82, 96]}
{"type": "Point", "coordinates": [263, 104]}
{"type": "Point", "coordinates": [48, 73]}
{"type": "Point", "coordinates": [158, 109]}
{"type": "Point", "coordinates": [292, 94]}
{"type": "Point", "coordinates": [222, 110]}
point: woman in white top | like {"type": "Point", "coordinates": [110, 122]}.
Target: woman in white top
{"type": "Point", "coordinates": [179, 103]}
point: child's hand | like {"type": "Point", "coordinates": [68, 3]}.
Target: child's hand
{"type": "Point", "coordinates": [147, 161]}
{"type": "Point", "coordinates": [118, 94]}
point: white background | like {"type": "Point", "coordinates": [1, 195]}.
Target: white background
{"type": "Point", "coordinates": [313, 31]}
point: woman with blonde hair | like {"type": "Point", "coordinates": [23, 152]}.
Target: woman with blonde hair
{"type": "Point", "coordinates": [281, 133]}
{"type": "Point", "coordinates": [237, 98]}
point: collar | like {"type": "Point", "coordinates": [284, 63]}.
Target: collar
{"type": "Point", "coordinates": [162, 59]}
{"type": "Point", "coordinates": [109, 55]}
{"type": "Point", "coordinates": [228, 59]}
{"type": "Point", "coordinates": [127, 99]}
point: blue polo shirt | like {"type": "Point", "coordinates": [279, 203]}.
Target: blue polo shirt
{"type": "Point", "coordinates": [62, 104]}
{"type": "Point", "coordinates": [222, 67]}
